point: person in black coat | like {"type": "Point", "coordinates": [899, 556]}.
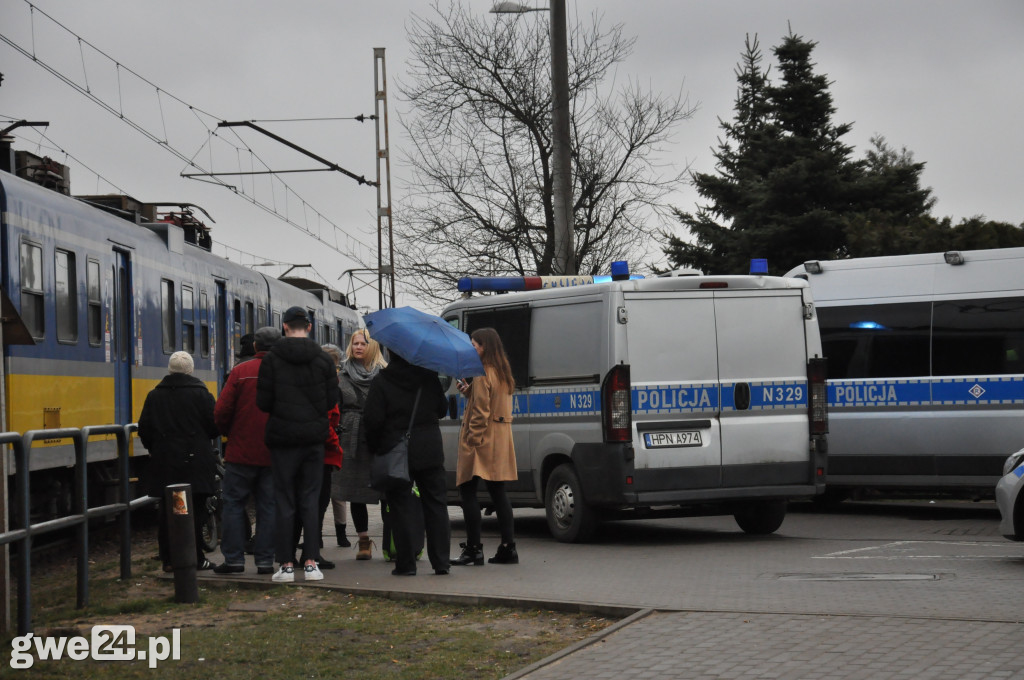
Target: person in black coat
{"type": "Point", "coordinates": [176, 426]}
{"type": "Point", "coordinates": [297, 386]}
{"type": "Point", "coordinates": [386, 414]}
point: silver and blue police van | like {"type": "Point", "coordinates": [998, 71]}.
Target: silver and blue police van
{"type": "Point", "coordinates": [925, 369]}
{"type": "Point", "coordinates": [675, 396]}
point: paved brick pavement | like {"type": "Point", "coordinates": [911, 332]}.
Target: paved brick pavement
{"type": "Point", "coordinates": [702, 645]}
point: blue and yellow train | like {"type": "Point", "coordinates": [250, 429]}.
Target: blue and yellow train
{"type": "Point", "coordinates": [98, 293]}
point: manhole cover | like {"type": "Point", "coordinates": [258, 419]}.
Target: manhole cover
{"type": "Point", "coordinates": [859, 577]}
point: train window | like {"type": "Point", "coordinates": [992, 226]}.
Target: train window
{"type": "Point", "coordinates": [277, 320]}
{"type": "Point", "coordinates": [342, 340]}
{"type": "Point", "coordinates": [32, 288]}
{"type": "Point", "coordinates": [66, 294]}
{"type": "Point", "coordinates": [95, 302]}
{"type": "Point", "coordinates": [250, 318]}
{"type": "Point", "coordinates": [167, 314]}
{"type": "Point", "coordinates": [236, 321]}
{"type": "Point", "coordinates": [261, 316]}
{"type": "Point", "coordinates": [978, 337]}
{"type": "Point", "coordinates": [204, 324]}
{"type": "Point", "coordinates": [188, 325]}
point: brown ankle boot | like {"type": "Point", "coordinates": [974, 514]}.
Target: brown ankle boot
{"type": "Point", "coordinates": [365, 548]}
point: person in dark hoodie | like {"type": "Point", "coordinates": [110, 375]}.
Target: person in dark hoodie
{"type": "Point", "coordinates": [386, 412]}
{"type": "Point", "coordinates": [297, 387]}
{"type": "Point", "coordinates": [176, 426]}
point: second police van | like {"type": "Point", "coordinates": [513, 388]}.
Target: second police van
{"type": "Point", "coordinates": [689, 395]}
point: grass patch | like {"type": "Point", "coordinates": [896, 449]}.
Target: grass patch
{"type": "Point", "coordinates": [241, 631]}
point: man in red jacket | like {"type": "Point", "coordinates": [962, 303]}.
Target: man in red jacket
{"type": "Point", "coordinates": [246, 463]}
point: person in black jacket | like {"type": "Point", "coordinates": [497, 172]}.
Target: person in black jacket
{"type": "Point", "coordinates": [297, 386]}
{"type": "Point", "coordinates": [386, 414]}
{"type": "Point", "coordinates": [176, 426]}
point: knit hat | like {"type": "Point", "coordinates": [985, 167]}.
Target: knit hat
{"type": "Point", "coordinates": [181, 362]}
{"type": "Point", "coordinates": [265, 337]}
{"type": "Point", "coordinates": [294, 314]}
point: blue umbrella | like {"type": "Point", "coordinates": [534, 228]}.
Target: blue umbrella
{"type": "Point", "coordinates": [425, 340]}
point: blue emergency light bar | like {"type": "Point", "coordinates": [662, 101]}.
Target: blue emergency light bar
{"type": "Point", "coordinates": [502, 284]}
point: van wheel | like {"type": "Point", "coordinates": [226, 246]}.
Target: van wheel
{"type": "Point", "coordinates": [570, 519]}
{"type": "Point", "coordinates": [761, 517]}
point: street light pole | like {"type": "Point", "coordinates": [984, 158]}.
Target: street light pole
{"type": "Point", "coordinates": [565, 260]}
{"type": "Point", "coordinates": [561, 161]}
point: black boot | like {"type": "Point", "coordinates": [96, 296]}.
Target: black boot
{"type": "Point", "coordinates": [471, 554]}
{"type": "Point", "coordinates": [506, 554]}
{"type": "Point", "coordinates": [342, 538]}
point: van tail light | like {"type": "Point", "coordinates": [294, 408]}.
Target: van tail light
{"type": "Point", "coordinates": [616, 405]}
{"type": "Point", "coordinates": [817, 402]}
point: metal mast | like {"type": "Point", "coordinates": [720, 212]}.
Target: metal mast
{"type": "Point", "coordinates": [385, 235]}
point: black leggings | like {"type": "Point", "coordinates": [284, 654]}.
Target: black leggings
{"type": "Point", "coordinates": [471, 510]}
{"type": "Point", "coordinates": [360, 517]}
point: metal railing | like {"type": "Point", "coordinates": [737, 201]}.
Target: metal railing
{"type": "Point", "coordinates": [21, 445]}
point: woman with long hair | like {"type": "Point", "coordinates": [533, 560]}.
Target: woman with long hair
{"type": "Point", "coordinates": [486, 451]}
{"type": "Point", "coordinates": [351, 484]}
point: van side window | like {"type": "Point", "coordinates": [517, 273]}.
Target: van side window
{"type": "Point", "coordinates": [569, 337]}
{"type": "Point", "coordinates": [167, 314]}
{"type": "Point", "coordinates": [95, 313]}
{"type": "Point", "coordinates": [978, 337]}
{"type": "Point", "coordinates": [66, 292]}
{"type": "Point", "coordinates": [513, 325]}
{"type": "Point", "coordinates": [876, 341]}
{"type": "Point", "coordinates": [32, 288]}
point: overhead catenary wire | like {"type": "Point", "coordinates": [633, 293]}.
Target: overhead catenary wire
{"type": "Point", "coordinates": [342, 242]}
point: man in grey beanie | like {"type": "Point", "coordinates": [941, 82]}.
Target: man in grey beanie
{"type": "Point", "coordinates": [175, 426]}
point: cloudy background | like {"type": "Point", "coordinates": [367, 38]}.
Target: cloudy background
{"type": "Point", "coordinates": [941, 78]}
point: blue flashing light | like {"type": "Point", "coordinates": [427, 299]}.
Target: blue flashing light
{"type": "Point", "coordinates": [502, 284]}
{"type": "Point", "coordinates": [868, 325]}
{"type": "Point", "coordinates": [758, 265]}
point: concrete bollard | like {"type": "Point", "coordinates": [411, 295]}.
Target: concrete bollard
{"type": "Point", "coordinates": [181, 539]}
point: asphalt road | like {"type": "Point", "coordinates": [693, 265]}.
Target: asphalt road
{"type": "Point", "coordinates": [866, 590]}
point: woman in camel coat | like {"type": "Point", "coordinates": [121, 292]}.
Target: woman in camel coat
{"type": "Point", "coordinates": [486, 451]}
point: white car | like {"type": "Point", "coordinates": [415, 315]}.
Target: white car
{"type": "Point", "coordinates": [1009, 492]}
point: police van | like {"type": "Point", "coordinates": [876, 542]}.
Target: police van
{"type": "Point", "coordinates": [925, 369]}
{"type": "Point", "coordinates": [688, 395]}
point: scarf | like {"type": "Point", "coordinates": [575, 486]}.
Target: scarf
{"type": "Point", "coordinates": [358, 373]}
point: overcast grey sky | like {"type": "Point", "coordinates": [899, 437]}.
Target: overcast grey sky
{"type": "Point", "coordinates": [942, 78]}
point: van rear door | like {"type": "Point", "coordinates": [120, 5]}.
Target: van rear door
{"type": "Point", "coordinates": [673, 362]}
{"type": "Point", "coordinates": [762, 364]}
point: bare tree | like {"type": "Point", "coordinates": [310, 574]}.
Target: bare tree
{"type": "Point", "coordinates": [480, 195]}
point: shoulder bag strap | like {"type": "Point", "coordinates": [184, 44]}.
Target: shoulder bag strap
{"type": "Point", "coordinates": [415, 404]}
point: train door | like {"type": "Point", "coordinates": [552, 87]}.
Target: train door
{"type": "Point", "coordinates": [220, 355]}
{"type": "Point", "coordinates": [121, 318]}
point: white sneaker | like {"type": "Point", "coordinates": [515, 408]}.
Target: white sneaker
{"type": "Point", "coordinates": [313, 572]}
{"type": "Point", "coordinates": [286, 574]}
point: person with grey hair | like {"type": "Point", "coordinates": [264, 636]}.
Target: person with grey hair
{"type": "Point", "coordinates": [176, 427]}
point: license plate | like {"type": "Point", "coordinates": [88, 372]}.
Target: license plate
{"type": "Point", "coordinates": [657, 440]}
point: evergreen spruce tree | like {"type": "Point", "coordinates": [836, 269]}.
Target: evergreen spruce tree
{"type": "Point", "coordinates": [784, 179]}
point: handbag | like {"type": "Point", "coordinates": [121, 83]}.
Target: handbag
{"type": "Point", "coordinates": [390, 471]}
